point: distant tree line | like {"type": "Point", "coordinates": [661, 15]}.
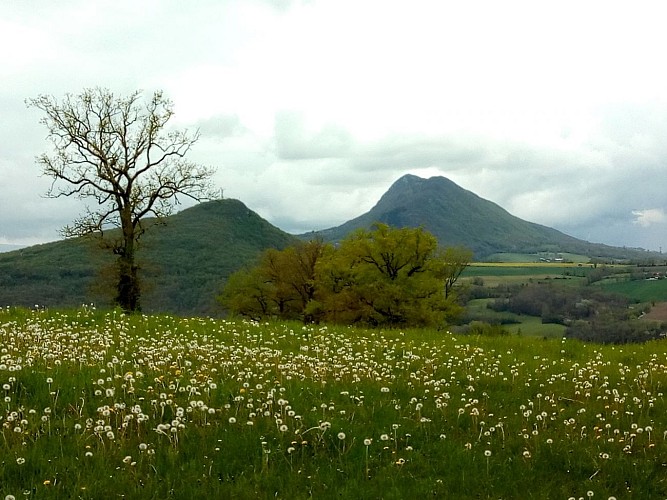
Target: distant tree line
{"type": "Point", "coordinates": [590, 314]}
{"type": "Point", "coordinates": [383, 276]}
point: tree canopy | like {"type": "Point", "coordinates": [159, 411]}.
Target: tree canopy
{"type": "Point", "coordinates": [383, 276]}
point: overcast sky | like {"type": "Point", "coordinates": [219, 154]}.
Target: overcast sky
{"type": "Point", "coordinates": [311, 109]}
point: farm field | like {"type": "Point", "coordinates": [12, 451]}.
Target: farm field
{"type": "Point", "coordinates": [102, 405]}
{"type": "Point", "coordinates": [639, 290]}
{"type": "Point", "coordinates": [657, 313]}
{"type": "Point", "coordinates": [494, 274]}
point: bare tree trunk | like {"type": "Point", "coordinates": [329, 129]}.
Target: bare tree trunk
{"type": "Point", "coordinates": [128, 290]}
{"type": "Point", "coordinates": [116, 152]}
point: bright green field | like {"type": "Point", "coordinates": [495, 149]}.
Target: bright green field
{"type": "Point", "coordinates": [640, 290]}
{"type": "Point", "coordinates": [101, 405]}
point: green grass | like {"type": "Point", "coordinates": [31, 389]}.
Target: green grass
{"type": "Point", "coordinates": [531, 326]}
{"type": "Point", "coordinates": [639, 290]}
{"type": "Point", "coordinates": [101, 405]}
{"type": "Point", "coordinates": [499, 275]}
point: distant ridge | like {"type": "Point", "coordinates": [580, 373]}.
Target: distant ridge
{"type": "Point", "coordinates": [459, 217]}
{"type": "Point", "coordinates": [184, 262]}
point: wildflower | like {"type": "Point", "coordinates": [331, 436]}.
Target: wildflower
{"type": "Point", "coordinates": [127, 459]}
{"type": "Point", "coordinates": [487, 453]}
{"type": "Point", "coordinates": [232, 420]}
{"type": "Point", "coordinates": [20, 460]}
{"type": "Point", "coordinates": [367, 442]}
{"type": "Point", "coordinates": [384, 437]}
{"type": "Point", "coordinates": [143, 446]}
{"type": "Point", "coordinates": [341, 435]}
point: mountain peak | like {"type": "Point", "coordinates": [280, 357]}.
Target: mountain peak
{"type": "Point", "coordinates": [408, 179]}
{"type": "Point", "coordinates": [456, 216]}
{"type": "Point", "coordinates": [411, 181]}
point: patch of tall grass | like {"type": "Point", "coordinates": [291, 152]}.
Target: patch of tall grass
{"type": "Point", "coordinates": [101, 405]}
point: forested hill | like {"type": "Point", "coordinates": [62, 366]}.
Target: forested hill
{"type": "Point", "coordinates": [183, 262]}
{"type": "Point", "coordinates": [459, 217]}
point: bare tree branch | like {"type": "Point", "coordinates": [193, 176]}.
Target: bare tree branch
{"type": "Point", "coordinates": [117, 152]}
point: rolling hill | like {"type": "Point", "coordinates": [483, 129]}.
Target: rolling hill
{"type": "Point", "coordinates": [459, 217]}
{"type": "Point", "coordinates": [183, 262]}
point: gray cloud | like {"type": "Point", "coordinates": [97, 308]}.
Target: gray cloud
{"type": "Point", "coordinates": [294, 142]}
{"type": "Point", "coordinates": [310, 123]}
{"type": "Point", "coordinates": [221, 126]}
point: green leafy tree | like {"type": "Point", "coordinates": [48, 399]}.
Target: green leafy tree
{"type": "Point", "coordinates": [117, 152]}
{"type": "Point", "coordinates": [248, 293]}
{"type": "Point", "coordinates": [282, 284]}
{"type": "Point", "coordinates": [389, 276]}
{"type": "Point", "coordinates": [380, 277]}
{"type": "Point", "coordinates": [450, 264]}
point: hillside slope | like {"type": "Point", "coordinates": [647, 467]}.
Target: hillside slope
{"type": "Point", "coordinates": [184, 262]}
{"type": "Point", "coordinates": [459, 217]}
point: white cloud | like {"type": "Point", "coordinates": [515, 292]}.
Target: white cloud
{"type": "Point", "coordinates": [649, 217]}
{"type": "Point", "coordinates": [312, 108]}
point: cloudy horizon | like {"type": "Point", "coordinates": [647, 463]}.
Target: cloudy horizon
{"type": "Point", "coordinates": [311, 109]}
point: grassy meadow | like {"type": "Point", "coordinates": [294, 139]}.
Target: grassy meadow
{"type": "Point", "coordinates": [97, 404]}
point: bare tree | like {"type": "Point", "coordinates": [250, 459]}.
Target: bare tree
{"type": "Point", "coordinates": [117, 151]}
